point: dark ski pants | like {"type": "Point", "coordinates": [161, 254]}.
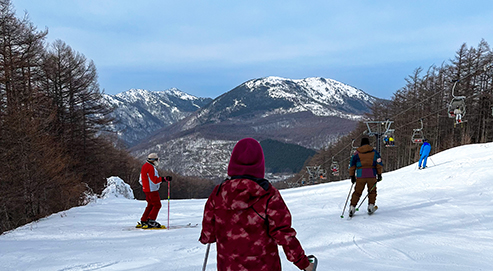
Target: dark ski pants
{"type": "Point", "coordinates": [153, 206]}
{"type": "Point", "coordinates": [360, 186]}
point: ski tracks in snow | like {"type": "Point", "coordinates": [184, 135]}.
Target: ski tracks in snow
{"type": "Point", "coordinates": [380, 254]}
{"type": "Point", "coordinates": [89, 267]}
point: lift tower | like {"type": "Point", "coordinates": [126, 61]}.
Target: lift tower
{"type": "Point", "coordinates": [377, 129]}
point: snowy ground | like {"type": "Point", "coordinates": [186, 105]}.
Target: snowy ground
{"type": "Point", "coordinates": [439, 218]}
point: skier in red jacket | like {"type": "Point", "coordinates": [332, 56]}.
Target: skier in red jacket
{"type": "Point", "coordinates": [150, 181]}
{"type": "Point", "coordinates": [247, 217]}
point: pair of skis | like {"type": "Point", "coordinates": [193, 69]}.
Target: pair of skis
{"type": "Point", "coordinates": [369, 212]}
{"type": "Point", "coordinates": [357, 209]}
{"type": "Point", "coordinates": [189, 225]}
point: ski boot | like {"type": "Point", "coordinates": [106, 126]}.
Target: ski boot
{"type": "Point", "coordinates": [153, 224]}
{"type": "Point", "coordinates": [352, 210]}
{"type": "Point", "coordinates": [141, 224]}
{"type": "Point", "coordinates": [372, 208]}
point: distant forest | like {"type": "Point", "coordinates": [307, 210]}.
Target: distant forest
{"type": "Point", "coordinates": [283, 157]}
{"type": "Point", "coordinates": [424, 99]}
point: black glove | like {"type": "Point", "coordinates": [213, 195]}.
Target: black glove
{"type": "Point", "coordinates": [379, 177]}
{"type": "Point", "coordinates": [169, 178]}
{"type": "Point", "coordinates": [353, 179]}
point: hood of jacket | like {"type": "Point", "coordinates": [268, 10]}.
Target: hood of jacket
{"type": "Point", "coordinates": [247, 158]}
{"type": "Point", "coordinates": [365, 149]}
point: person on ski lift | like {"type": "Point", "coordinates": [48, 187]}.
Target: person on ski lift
{"type": "Point", "coordinates": [247, 218]}
{"type": "Point", "coordinates": [386, 140]}
{"type": "Point", "coordinates": [458, 115]}
{"type": "Point", "coordinates": [365, 169]}
{"type": "Point", "coordinates": [150, 181]}
{"type": "Point", "coordinates": [391, 140]}
{"type": "Point", "coordinates": [424, 152]}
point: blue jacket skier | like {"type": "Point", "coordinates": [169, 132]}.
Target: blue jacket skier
{"type": "Point", "coordinates": [424, 152]}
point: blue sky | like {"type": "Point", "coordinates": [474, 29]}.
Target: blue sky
{"type": "Point", "coordinates": [208, 47]}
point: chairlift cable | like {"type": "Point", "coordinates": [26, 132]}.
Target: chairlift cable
{"type": "Point", "coordinates": [455, 81]}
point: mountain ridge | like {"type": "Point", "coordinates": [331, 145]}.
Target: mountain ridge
{"type": "Point", "coordinates": [138, 113]}
{"type": "Point", "coordinates": [311, 112]}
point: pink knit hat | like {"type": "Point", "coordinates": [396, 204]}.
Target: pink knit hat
{"type": "Point", "coordinates": [247, 158]}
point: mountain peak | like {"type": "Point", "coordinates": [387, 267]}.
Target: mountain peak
{"type": "Point", "coordinates": [324, 86]}
{"type": "Point", "coordinates": [180, 94]}
{"type": "Point", "coordinates": [140, 112]}
{"type": "Point", "coordinates": [318, 95]}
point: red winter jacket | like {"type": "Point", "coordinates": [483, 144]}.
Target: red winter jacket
{"type": "Point", "coordinates": [149, 178]}
{"type": "Point", "coordinates": [247, 221]}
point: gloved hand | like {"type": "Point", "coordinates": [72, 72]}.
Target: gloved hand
{"type": "Point", "coordinates": [379, 177]}
{"type": "Point", "coordinates": [353, 179]}
{"type": "Point", "coordinates": [169, 178]}
{"type": "Point", "coordinates": [310, 267]}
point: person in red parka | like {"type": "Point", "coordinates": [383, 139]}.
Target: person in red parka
{"type": "Point", "coordinates": [150, 181]}
{"type": "Point", "coordinates": [247, 217]}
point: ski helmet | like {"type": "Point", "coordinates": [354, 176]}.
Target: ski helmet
{"type": "Point", "coordinates": [153, 158]}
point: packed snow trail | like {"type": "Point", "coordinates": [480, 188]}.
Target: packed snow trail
{"type": "Point", "coordinates": [439, 218]}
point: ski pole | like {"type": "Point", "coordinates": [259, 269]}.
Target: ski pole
{"type": "Point", "coordinates": [357, 209]}
{"type": "Point", "coordinates": [345, 204]}
{"type": "Point", "coordinates": [206, 256]}
{"type": "Point", "coordinates": [432, 161]}
{"type": "Point", "coordinates": [168, 204]}
{"type": "Point", "coordinates": [313, 260]}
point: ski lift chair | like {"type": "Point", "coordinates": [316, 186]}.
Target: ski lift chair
{"type": "Point", "coordinates": [388, 135]}
{"type": "Point", "coordinates": [389, 139]}
{"type": "Point", "coordinates": [353, 148]}
{"type": "Point", "coordinates": [457, 103]}
{"type": "Point", "coordinates": [334, 168]}
{"type": "Point", "coordinates": [418, 135]}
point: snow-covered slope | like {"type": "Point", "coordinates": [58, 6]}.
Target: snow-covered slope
{"type": "Point", "coordinates": [138, 112]}
{"type": "Point", "coordinates": [436, 219]}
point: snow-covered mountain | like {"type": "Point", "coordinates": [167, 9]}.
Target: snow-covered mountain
{"type": "Point", "coordinates": [138, 113]}
{"type": "Point", "coordinates": [310, 112]}
{"type": "Point", "coordinates": [271, 96]}
{"type": "Point", "coordinates": [436, 219]}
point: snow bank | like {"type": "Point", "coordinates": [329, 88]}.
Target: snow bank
{"type": "Point", "coordinates": [117, 188]}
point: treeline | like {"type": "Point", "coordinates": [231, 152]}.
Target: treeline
{"type": "Point", "coordinates": [55, 145]}
{"type": "Point", "coordinates": [426, 96]}
{"type": "Point", "coordinates": [52, 151]}
{"type": "Point", "coordinates": [284, 157]}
